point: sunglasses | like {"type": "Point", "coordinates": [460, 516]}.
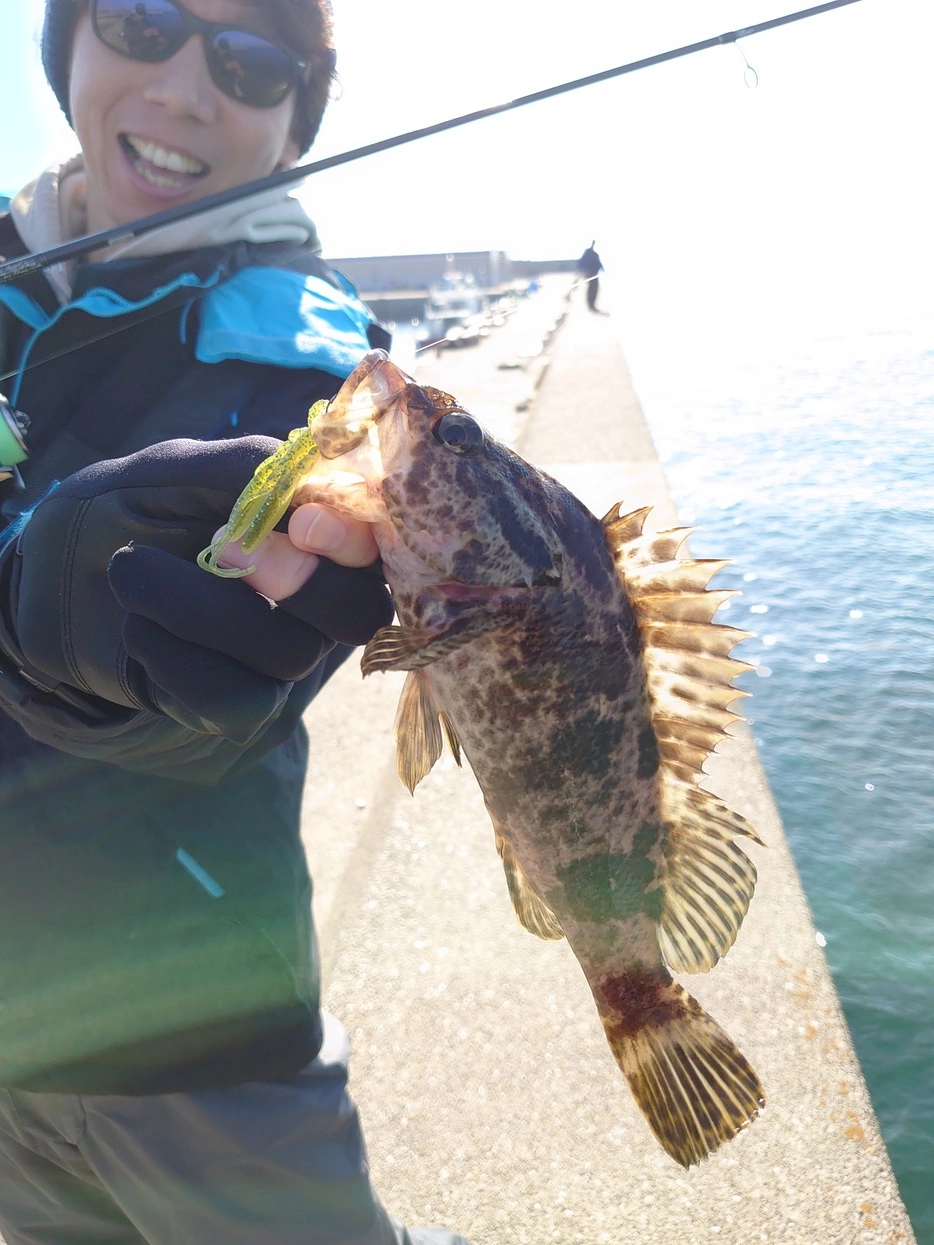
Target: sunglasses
{"type": "Point", "coordinates": [242, 64]}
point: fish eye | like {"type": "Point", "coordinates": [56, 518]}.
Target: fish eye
{"type": "Point", "coordinates": [459, 432]}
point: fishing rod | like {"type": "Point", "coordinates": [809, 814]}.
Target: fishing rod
{"type": "Point", "coordinates": [79, 247]}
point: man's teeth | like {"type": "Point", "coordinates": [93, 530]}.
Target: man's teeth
{"type": "Point", "coordinates": [172, 161]}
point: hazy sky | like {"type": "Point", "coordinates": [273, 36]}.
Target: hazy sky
{"type": "Point", "coordinates": [808, 199]}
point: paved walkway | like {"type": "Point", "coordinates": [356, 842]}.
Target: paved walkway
{"type": "Point", "coordinates": [489, 1096]}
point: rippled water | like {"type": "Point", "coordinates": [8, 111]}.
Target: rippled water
{"type": "Point", "coordinates": [816, 475]}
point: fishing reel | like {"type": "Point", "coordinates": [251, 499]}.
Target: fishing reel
{"type": "Point", "coordinates": [13, 428]}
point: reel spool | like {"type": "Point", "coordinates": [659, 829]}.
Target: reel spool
{"type": "Point", "coordinates": [13, 427]}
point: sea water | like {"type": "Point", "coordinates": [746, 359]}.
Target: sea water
{"type": "Point", "coordinates": [814, 472]}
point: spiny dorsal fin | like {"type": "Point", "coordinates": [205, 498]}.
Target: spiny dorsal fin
{"type": "Point", "coordinates": [419, 729]}
{"type": "Point", "coordinates": [707, 881]}
{"type": "Point", "coordinates": [622, 528]}
{"type": "Point", "coordinates": [530, 908]}
{"type": "Point", "coordinates": [683, 606]}
{"type": "Point", "coordinates": [672, 577]}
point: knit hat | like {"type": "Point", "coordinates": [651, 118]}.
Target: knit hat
{"type": "Point", "coordinates": [58, 32]}
{"type": "Point", "coordinates": [61, 17]}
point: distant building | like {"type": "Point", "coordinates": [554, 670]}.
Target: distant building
{"type": "Point", "coordinates": [387, 274]}
{"type": "Point", "coordinates": [384, 274]}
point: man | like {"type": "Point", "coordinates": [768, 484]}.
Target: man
{"type": "Point", "coordinates": [589, 266]}
{"type": "Point", "coordinates": [166, 1074]}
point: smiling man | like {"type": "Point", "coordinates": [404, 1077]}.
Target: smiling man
{"type": "Point", "coordinates": [175, 133]}
{"type": "Point", "coordinates": [166, 1073]}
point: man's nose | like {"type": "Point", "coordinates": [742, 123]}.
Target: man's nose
{"type": "Point", "coordinates": [182, 84]}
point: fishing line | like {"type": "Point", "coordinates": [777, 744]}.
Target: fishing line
{"type": "Point", "coordinates": [12, 269]}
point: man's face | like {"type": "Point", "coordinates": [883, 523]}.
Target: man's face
{"type": "Point", "coordinates": [157, 134]}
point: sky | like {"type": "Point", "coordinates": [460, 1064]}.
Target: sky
{"type": "Point", "coordinates": [724, 214]}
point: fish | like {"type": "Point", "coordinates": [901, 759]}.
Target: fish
{"type": "Point", "coordinates": [576, 665]}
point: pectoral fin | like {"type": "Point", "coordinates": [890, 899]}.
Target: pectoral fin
{"type": "Point", "coordinates": [412, 648]}
{"type": "Point", "coordinates": [420, 730]}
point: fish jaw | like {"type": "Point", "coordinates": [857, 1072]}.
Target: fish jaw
{"type": "Point", "coordinates": [348, 484]}
{"type": "Point", "coordinates": [348, 471]}
{"type": "Point", "coordinates": [365, 397]}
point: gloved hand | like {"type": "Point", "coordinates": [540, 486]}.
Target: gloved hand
{"type": "Point", "coordinates": [160, 634]}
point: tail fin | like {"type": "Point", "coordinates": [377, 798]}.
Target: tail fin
{"type": "Point", "coordinates": [692, 1084]}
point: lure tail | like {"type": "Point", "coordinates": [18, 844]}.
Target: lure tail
{"type": "Point", "coordinates": [692, 1084]}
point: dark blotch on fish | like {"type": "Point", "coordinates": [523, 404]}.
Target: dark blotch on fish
{"type": "Point", "coordinates": [639, 1000]}
{"type": "Point", "coordinates": [607, 887]}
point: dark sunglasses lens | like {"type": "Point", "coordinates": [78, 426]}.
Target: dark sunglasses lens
{"type": "Point", "coordinates": [248, 68]}
{"type": "Point", "coordinates": [153, 31]}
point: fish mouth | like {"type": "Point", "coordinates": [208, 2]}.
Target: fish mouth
{"type": "Point", "coordinates": [368, 393]}
{"type": "Point", "coordinates": [348, 471]}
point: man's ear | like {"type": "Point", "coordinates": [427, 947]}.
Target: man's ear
{"type": "Point", "coordinates": [289, 156]}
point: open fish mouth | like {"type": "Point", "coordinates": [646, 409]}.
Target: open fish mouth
{"type": "Point", "coordinates": [366, 396]}
{"type": "Point", "coordinates": [348, 471]}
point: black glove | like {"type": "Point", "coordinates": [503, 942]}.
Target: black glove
{"type": "Point", "coordinates": [160, 634]}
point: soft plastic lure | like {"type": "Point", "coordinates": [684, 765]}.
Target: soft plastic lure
{"type": "Point", "coordinates": [266, 498]}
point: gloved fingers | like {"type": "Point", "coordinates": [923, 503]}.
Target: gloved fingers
{"type": "Point", "coordinates": [174, 494]}
{"type": "Point", "coordinates": [216, 614]}
{"type": "Point", "coordinates": [347, 604]}
{"type": "Point", "coordinates": [224, 696]}
{"type": "Point", "coordinates": [224, 466]}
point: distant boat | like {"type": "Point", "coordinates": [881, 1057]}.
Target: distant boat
{"type": "Point", "coordinates": [455, 311]}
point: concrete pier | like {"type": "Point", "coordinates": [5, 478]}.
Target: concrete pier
{"type": "Point", "coordinates": [489, 1097]}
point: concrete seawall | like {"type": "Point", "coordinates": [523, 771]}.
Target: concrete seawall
{"type": "Point", "coordinates": [489, 1097]}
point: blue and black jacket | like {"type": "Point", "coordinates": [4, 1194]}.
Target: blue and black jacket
{"type": "Point", "coordinates": [120, 971]}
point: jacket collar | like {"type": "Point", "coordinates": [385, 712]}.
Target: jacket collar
{"type": "Point", "coordinates": [52, 209]}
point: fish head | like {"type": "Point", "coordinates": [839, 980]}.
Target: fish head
{"type": "Point", "coordinates": [450, 503]}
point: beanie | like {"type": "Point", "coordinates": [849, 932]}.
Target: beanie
{"type": "Point", "coordinates": [61, 17]}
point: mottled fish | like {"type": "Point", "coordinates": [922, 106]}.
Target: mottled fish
{"type": "Point", "coordinates": [576, 664]}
